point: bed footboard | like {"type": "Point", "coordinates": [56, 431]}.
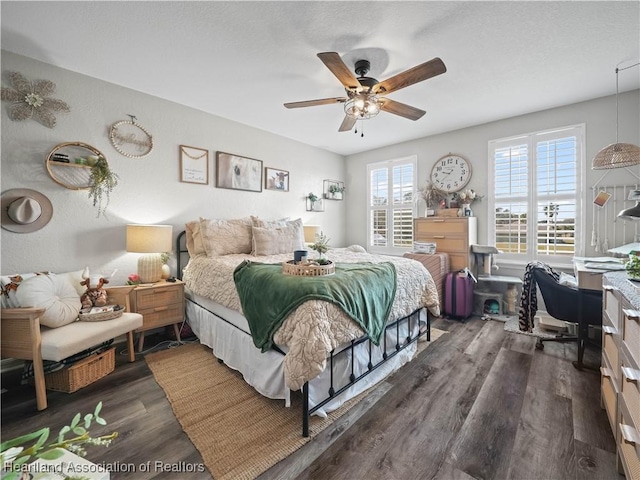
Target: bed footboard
{"type": "Point", "coordinates": [388, 353]}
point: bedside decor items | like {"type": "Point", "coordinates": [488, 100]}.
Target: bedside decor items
{"type": "Point", "coordinates": [32, 99]}
{"type": "Point", "coordinates": [25, 210]}
{"type": "Point", "coordinates": [238, 173]}
{"type": "Point", "coordinates": [431, 196]}
{"type": "Point", "coordinates": [130, 138]}
{"type": "Point", "coordinates": [465, 199]}
{"type": "Point", "coordinates": [314, 203]}
{"type": "Point", "coordinates": [153, 240]}
{"type": "Point", "coordinates": [276, 179]}
{"type": "Point", "coordinates": [194, 165]}
{"type": "Point", "coordinates": [102, 181]}
{"type": "Point", "coordinates": [333, 190]}
{"type": "Point", "coordinates": [451, 173]}
{"type": "Point", "coordinates": [617, 154]}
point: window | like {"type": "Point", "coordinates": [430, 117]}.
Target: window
{"type": "Point", "coordinates": [537, 209]}
{"type": "Point", "coordinates": [391, 207]}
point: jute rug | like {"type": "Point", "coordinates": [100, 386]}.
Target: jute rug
{"type": "Point", "coordinates": [238, 432]}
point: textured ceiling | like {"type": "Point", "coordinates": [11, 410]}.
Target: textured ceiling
{"type": "Point", "coordinates": [243, 60]}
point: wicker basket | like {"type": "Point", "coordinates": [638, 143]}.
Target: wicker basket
{"type": "Point", "coordinates": [100, 317]}
{"type": "Point", "coordinates": [82, 373]}
{"type": "Point", "coordinates": [307, 270]}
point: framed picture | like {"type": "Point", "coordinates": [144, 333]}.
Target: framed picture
{"type": "Point", "coordinates": [315, 206]}
{"type": "Point", "coordinates": [602, 198]}
{"type": "Point", "coordinates": [238, 173]}
{"type": "Point", "coordinates": [276, 179]}
{"type": "Point", "coordinates": [194, 165]}
{"type": "Point", "coordinates": [333, 190]}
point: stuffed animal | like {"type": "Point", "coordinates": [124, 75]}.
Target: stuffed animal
{"type": "Point", "coordinates": [95, 296]}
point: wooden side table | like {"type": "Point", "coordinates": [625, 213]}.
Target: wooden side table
{"type": "Point", "coordinates": [160, 304]}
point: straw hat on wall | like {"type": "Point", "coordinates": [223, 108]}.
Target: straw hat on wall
{"type": "Point", "coordinates": [25, 210]}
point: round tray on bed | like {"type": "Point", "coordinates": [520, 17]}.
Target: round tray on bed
{"type": "Point", "coordinates": [308, 269]}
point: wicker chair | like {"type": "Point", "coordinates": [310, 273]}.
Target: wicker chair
{"type": "Point", "coordinates": [23, 337]}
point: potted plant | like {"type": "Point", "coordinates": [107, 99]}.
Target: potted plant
{"type": "Point", "coordinates": [102, 181]}
{"type": "Point", "coordinates": [336, 190]}
{"type": "Point", "coordinates": [321, 246]}
{"type": "Point", "coordinates": [432, 197]}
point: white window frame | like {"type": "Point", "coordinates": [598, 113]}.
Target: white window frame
{"type": "Point", "coordinates": [390, 207]}
{"type": "Point", "coordinates": [531, 139]}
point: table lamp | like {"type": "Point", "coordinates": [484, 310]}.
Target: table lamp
{"type": "Point", "coordinates": [151, 239]}
{"type": "Point", "coordinates": [310, 233]}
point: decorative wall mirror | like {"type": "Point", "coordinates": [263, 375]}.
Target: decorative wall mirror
{"type": "Point", "coordinates": [130, 138]}
{"type": "Point", "coordinates": [69, 164]}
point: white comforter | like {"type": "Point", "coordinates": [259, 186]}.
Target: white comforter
{"type": "Point", "coordinates": [316, 327]}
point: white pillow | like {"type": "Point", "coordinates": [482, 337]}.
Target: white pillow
{"type": "Point", "coordinates": [55, 294]}
{"type": "Point", "coordinates": [272, 241]}
{"type": "Point", "coordinates": [74, 278]}
{"type": "Point", "coordinates": [9, 286]}
{"type": "Point", "coordinates": [194, 238]}
{"type": "Point", "coordinates": [223, 237]}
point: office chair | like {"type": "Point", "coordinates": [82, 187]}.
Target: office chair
{"type": "Point", "coordinates": [569, 304]}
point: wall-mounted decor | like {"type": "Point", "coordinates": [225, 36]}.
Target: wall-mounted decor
{"type": "Point", "coordinates": [194, 165]}
{"type": "Point", "coordinates": [451, 173]}
{"type": "Point", "coordinates": [333, 190]}
{"type": "Point", "coordinates": [130, 138]}
{"type": "Point", "coordinates": [314, 203]}
{"type": "Point", "coordinates": [31, 99]}
{"type": "Point", "coordinates": [276, 179]}
{"type": "Point", "coordinates": [25, 210]}
{"type": "Point", "coordinates": [238, 173]}
{"type": "Point", "coordinates": [69, 164]}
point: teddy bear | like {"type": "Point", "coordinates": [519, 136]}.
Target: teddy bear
{"type": "Point", "coordinates": [94, 296]}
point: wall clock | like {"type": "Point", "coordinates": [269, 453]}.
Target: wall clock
{"type": "Point", "coordinates": [451, 173]}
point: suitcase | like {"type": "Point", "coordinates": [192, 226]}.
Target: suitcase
{"type": "Point", "coordinates": [458, 295]}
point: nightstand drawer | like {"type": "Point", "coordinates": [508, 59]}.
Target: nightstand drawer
{"type": "Point", "coordinates": [609, 346]}
{"type": "Point", "coordinates": [608, 386]}
{"type": "Point", "coordinates": [629, 448]}
{"type": "Point", "coordinates": [441, 226]}
{"type": "Point", "coordinates": [630, 390]}
{"type": "Point", "coordinates": [631, 333]}
{"type": "Point", "coordinates": [160, 316]}
{"type": "Point", "coordinates": [153, 297]}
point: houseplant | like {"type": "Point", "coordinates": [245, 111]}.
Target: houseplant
{"type": "Point", "coordinates": [102, 181]}
{"type": "Point", "coordinates": [321, 246]}
{"type": "Point", "coordinates": [336, 190]}
{"type": "Point", "coordinates": [431, 196]}
{"type": "Point", "coordinates": [16, 452]}
{"type": "Point", "coordinates": [466, 198]}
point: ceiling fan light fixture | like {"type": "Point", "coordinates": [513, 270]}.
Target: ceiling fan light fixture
{"type": "Point", "coordinates": [362, 106]}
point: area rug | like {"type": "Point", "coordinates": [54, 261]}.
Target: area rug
{"type": "Point", "coordinates": [512, 325]}
{"type": "Point", "coordinates": [238, 432]}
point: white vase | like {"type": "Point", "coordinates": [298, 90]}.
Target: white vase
{"type": "Point", "coordinates": [166, 271]}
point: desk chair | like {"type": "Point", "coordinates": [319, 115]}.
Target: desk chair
{"type": "Point", "coordinates": [569, 304]}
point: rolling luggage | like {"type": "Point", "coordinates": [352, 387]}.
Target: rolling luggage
{"type": "Point", "coordinates": [458, 295]}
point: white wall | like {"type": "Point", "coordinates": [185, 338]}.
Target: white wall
{"type": "Point", "coordinates": [149, 190]}
{"type": "Point", "coordinates": [598, 115]}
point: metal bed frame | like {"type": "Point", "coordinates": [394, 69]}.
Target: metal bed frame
{"type": "Point", "coordinates": [388, 353]}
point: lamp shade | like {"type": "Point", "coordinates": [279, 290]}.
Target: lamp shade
{"type": "Point", "coordinates": [310, 232]}
{"type": "Point", "coordinates": [616, 155]}
{"type": "Point", "coordinates": [632, 213]}
{"type": "Point", "coordinates": [149, 238]}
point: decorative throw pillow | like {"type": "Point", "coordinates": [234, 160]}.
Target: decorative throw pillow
{"type": "Point", "coordinates": [223, 237]}
{"type": "Point", "coordinates": [258, 222]}
{"type": "Point", "coordinates": [194, 238]}
{"type": "Point", "coordinates": [55, 294]}
{"type": "Point", "coordinates": [272, 241]}
{"type": "Point", "coordinates": [9, 286]}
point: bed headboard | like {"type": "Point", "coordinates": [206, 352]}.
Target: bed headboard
{"type": "Point", "coordinates": [182, 253]}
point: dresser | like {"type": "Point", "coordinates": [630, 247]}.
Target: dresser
{"type": "Point", "coordinates": [620, 368]}
{"type": "Point", "coordinates": [452, 235]}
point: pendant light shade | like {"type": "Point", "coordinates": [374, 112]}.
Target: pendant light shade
{"type": "Point", "coordinates": [617, 155]}
{"type": "Point", "coordinates": [632, 213]}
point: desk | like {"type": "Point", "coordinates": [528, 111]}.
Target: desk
{"type": "Point", "coordinates": [589, 279]}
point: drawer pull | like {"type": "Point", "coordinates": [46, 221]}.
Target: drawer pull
{"type": "Point", "coordinates": [631, 375]}
{"type": "Point", "coordinates": [605, 372]}
{"type": "Point", "coordinates": [632, 314]}
{"type": "Point", "coordinates": [161, 309]}
{"type": "Point", "coordinates": [440, 237]}
{"type": "Point", "coordinates": [609, 330]}
{"type": "Point", "coordinates": [629, 434]}
{"type": "Point", "coordinates": [438, 221]}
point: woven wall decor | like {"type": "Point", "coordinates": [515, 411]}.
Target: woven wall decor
{"type": "Point", "coordinates": [32, 99]}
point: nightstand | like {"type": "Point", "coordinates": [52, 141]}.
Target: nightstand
{"type": "Point", "coordinates": [160, 304]}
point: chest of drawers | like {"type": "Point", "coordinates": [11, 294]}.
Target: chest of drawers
{"type": "Point", "coordinates": [452, 235]}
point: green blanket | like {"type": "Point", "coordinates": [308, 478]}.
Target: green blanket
{"type": "Point", "coordinates": [365, 292]}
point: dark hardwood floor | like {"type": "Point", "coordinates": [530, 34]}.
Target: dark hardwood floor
{"type": "Point", "coordinates": [479, 403]}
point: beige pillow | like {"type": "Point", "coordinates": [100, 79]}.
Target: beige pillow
{"type": "Point", "coordinates": [223, 237]}
{"type": "Point", "coordinates": [258, 222]}
{"type": "Point", "coordinates": [272, 241]}
{"type": "Point", "coordinates": [55, 294]}
{"type": "Point", "coordinates": [194, 238]}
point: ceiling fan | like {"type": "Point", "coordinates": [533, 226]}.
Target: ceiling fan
{"type": "Point", "coordinates": [365, 95]}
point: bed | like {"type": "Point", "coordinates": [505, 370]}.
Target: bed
{"type": "Point", "coordinates": [318, 349]}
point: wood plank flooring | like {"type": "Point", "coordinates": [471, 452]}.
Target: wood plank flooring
{"type": "Point", "coordinates": [480, 403]}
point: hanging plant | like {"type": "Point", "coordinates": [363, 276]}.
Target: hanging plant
{"type": "Point", "coordinates": [102, 181]}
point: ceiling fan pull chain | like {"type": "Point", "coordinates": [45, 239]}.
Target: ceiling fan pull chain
{"type": "Point", "coordinates": [361, 128]}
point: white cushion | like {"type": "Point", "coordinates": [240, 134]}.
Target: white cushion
{"type": "Point", "coordinates": [272, 241]}
{"type": "Point", "coordinates": [9, 285]}
{"type": "Point", "coordinates": [60, 343]}
{"type": "Point", "coordinates": [194, 238]}
{"type": "Point", "coordinates": [224, 237]}
{"type": "Point", "coordinates": [55, 294]}
{"type": "Point", "coordinates": [74, 278]}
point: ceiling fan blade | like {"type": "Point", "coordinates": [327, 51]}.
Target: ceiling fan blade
{"type": "Point", "coordinates": [334, 63]}
{"type": "Point", "coordinates": [313, 103]}
{"type": "Point", "coordinates": [409, 77]}
{"type": "Point", "coordinates": [397, 108]}
{"type": "Point", "coordinates": [347, 123]}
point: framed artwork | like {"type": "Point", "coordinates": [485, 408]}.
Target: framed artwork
{"type": "Point", "coordinates": [333, 190]}
{"type": "Point", "coordinates": [315, 206]}
{"type": "Point", "coordinates": [602, 198]}
{"type": "Point", "coordinates": [238, 173]}
{"type": "Point", "coordinates": [194, 165]}
{"type": "Point", "coordinates": [276, 179]}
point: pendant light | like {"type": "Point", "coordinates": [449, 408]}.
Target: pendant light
{"type": "Point", "coordinates": [631, 213]}
{"type": "Point", "coordinates": [617, 155]}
